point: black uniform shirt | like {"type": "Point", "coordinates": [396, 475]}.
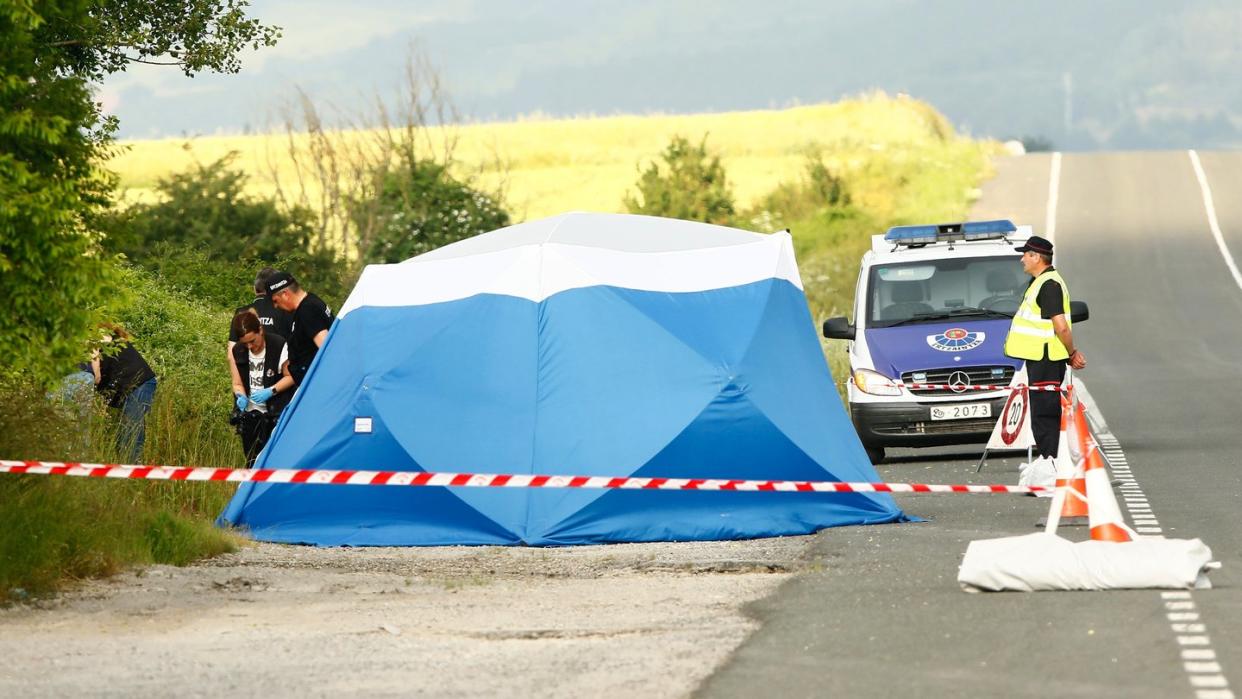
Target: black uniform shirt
{"type": "Point", "coordinates": [310, 317]}
{"type": "Point", "coordinates": [1051, 299]}
{"type": "Point", "coordinates": [272, 318]}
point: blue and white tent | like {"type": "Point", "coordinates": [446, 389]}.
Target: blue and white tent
{"type": "Point", "coordinates": [583, 344]}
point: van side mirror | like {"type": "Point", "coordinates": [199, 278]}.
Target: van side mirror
{"type": "Point", "coordinates": [1078, 312]}
{"type": "Point", "coordinates": [838, 329]}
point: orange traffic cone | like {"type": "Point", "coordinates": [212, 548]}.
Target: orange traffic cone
{"type": "Point", "coordinates": [1105, 516]}
{"type": "Point", "coordinates": [1069, 500]}
{"type": "Point", "coordinates": [1070, 474]}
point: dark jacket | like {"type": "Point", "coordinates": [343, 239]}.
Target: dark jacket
{"type": "Point", "coordinates": [271, 371]}
{"type": "Point", "coordinates": [121, 372]}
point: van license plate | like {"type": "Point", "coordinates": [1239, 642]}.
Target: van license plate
{"type": "Point", "coordinates": [964, 411]}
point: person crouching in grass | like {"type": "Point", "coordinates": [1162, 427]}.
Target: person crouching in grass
{"type": "Point", "coordinates": [125, 379]}
{"type": "Point", "coordinates": [265, 386]}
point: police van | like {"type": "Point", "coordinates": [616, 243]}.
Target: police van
{"type": "Point", "coordinates": [932, 306]}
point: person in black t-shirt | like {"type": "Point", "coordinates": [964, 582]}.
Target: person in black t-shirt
{"type": "Point", "coordinates": [273, 319]}
{"type": "Point", "coordinates": [311, 320]}
{"type": "Point", "coordinates": [126, 380]}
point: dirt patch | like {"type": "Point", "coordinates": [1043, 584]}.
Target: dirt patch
{"type": "Point", "coordinates": [270, 620]}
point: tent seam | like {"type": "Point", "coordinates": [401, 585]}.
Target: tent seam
{"type": "Point", "coordinates": [555, 228]}
{"type": "Point", "coordinates": [534, 433]}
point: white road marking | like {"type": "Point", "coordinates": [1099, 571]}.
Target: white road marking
{"type": "Point", "coordinates": [1054, 193]}
{"type": "Point", "coordinates": [1203, 672]}
{"type": "Point", "coordinates": [1211, 216]}
{"type": "Point", "coordinates": [1194, 640]}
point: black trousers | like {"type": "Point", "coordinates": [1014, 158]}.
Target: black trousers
{"type": "Point", "coordinates": [1046, 405]}
{"type": "Point", "coordinates": [255, 429]}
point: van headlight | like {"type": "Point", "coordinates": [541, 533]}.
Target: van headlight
{"type": "Point", "coordinates": [875, 383]}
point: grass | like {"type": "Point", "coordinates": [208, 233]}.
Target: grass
{"type": "Point", "coordinates": [900, 160]}
{"type": "Point", "coordinates": [58, 529]}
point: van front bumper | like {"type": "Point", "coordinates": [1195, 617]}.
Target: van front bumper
{"type": "Point", "coordinates": [909, 424]}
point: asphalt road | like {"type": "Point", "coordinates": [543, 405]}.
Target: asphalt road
{"type": "Point", "coordinates": [882, 614]}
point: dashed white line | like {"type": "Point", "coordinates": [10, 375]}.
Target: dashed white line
{"type": "Point", "coordinates": [1199, 662]}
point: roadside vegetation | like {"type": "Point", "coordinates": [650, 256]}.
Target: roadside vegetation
{"type": "Point", "coordinates": [876, 162]}
{"type": "Point", "coordinates": [172, 250]}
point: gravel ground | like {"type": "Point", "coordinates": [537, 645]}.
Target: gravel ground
{"type": "Point", "coordinates": [622, 620]}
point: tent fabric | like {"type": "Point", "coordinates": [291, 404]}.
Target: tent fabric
{"type": "Point", "coordinates": [584, 344]}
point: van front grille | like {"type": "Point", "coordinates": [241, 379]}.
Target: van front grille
{"type": "Point", "coordinates": [970, 375]}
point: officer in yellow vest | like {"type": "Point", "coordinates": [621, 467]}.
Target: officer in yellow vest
{"type": "Point", "coordinates": [1041, 334]}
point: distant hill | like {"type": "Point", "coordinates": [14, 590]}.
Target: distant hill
{"type": "Point", "coordinates": [1115, 74]}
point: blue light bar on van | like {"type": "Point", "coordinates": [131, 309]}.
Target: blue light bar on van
{"type": "Point", "coordinates": [912, 235]}
{"type": "Point", "coordinates": [948, 232]}
{"type": "Point", "coordinates": [981, 230]}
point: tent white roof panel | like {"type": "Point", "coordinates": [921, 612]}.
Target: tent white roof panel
{"type": "Point", "coordinates": [537, 259]}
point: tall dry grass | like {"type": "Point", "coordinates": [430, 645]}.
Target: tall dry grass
{"type": "Point", "coordinates": [587, 163]}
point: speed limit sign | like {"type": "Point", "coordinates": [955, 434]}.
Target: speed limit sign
{"type": "Point", "coordinates": [1014, 415]}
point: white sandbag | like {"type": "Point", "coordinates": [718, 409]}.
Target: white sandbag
{"type": "Point", "coordinates": [1048, 562]}
{"type": "Point", "coordinates": [1041, 472]}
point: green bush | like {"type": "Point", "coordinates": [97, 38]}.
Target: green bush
{"type": "Point", "coordinates": [217, 283]}
{"type": "Point", "coordinates": [422, 207]}
{"type": "Point", "coordinates": [819, 193]}
{"type": "Point", "coordinates": [686, 183]}
{"type": "Point", "coordinates": [208, 237]}
{"type": "Point", "coordinates": [207, 208]}
{"type": "Point", "coordinates": [221, 284]}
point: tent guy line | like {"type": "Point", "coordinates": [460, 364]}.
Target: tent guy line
{"type": "Point", "coordinates": [483, 480]}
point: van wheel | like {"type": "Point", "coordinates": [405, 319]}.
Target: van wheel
{"type": "Point", "coordinates": [876, 454]}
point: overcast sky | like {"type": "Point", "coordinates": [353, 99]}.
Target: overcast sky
{"type": "Point", "coordinates": [1106, 73]}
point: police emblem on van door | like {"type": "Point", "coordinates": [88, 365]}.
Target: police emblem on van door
{"type": "Point", "coordinates": [955, 340]}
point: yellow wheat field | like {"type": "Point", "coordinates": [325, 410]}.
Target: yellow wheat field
{"type": "Point", "coordinates": [588, 163]}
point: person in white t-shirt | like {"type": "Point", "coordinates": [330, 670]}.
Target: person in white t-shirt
{"type": "Point", "coordinates": [264, 387]}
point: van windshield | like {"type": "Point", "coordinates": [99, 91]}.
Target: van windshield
{"type": "Point", "coordinates": [935, 290]}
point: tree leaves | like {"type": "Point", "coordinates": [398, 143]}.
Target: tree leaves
{"type": "Point", "coordinates": [688, 183]}
{"type": "Point", "coordinates": [56, 281]}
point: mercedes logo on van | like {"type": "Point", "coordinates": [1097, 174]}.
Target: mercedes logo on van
{"type": "Point", "coordinates": [958, 381]}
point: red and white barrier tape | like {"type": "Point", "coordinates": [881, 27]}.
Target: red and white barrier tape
{"type": "Point", "coordinates": [978, 387]}
{"type": "Point", "coordinates": [965, 387]}
{"type": "Point", "coordinates": [482, 480]}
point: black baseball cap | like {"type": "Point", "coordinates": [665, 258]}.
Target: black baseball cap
{"type": "Point", "coordinates": [1037, 244]}
{"type": "Point", "coordinates": [278, 282]}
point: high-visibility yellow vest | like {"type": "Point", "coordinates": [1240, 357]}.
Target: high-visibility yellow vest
{"type": "Point", "coordinates": [1030, 333]}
